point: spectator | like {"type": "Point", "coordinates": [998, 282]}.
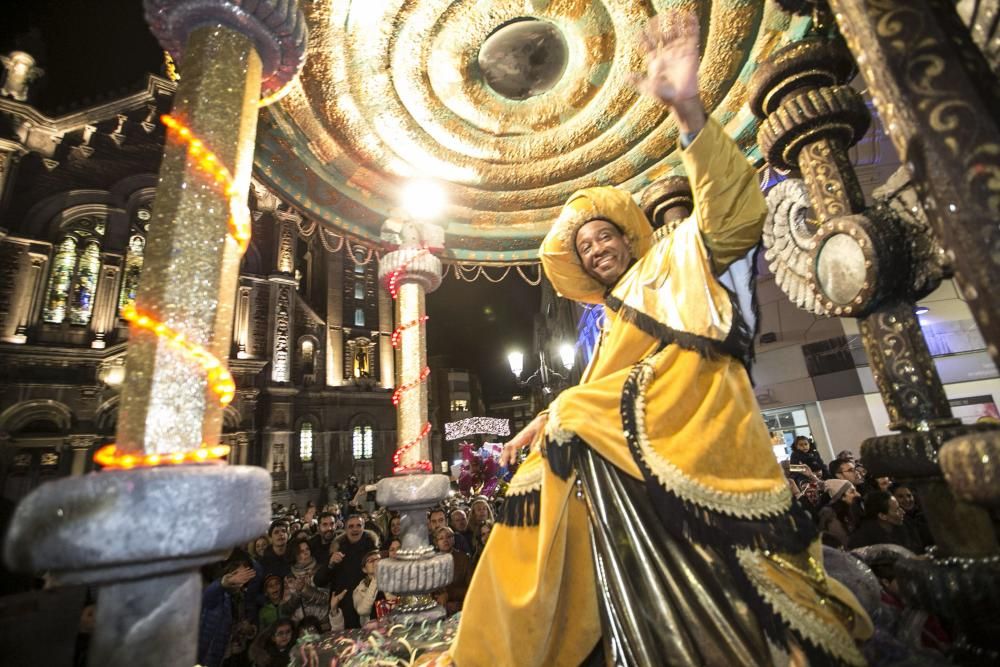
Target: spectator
{"type": "Point", "coordinates": [273, 646]}
{"type": "Point", "coordinates": [804, 453]}
{"type": "Point", "coordinates": [226, 606]}
{"type": "Point", "coordinates": [342, 571]}
{"type": "Point", "coordinates": [463, 534]}
{"type": "Point", "coordinates": [809, 497]}
{"type": "Point", "coordinates": [453, 596]}
{"type": "Point", "coordinates": [366, 593]}
{"type": "Point", "coordinates": [835, 517]}
{"type": "Point", "coordinates": [883, 524]}
{"type": "Point", "coordinates": [482, 512]}
{"type": "Point", "coordinates": [321, 541]}
{"type": "Point", "coordinates": [306, 598]}
{"type": "Point", "coordinates": [274, 596]}
{"type": "Point", "coordinates": [395, 527]}
{"type": "Point", "coordinates": [847, 470]}
{"type": "Point", "coordinates": [913, 517]}
{"type": "Point", "coordinates": [276, 559]}
{"type": "Point", "coordinates": [435, 521]}
{"type": "Point", "coordinates": [258, 547]}
{"type": "Point", "coordinates": [394, 545]}
{"type": "Point", "coordinates": [480, 542]}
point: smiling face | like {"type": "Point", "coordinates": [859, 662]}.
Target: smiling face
{"type": "Point", "coordinates": [355, 529]}
{"type": "Point", "coordinates": [604, 251]}
{"type": "Point", "coordinates": [904, 496]}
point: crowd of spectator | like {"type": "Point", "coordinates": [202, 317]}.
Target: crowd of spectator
{"type": "Point", "coordinates": [315, 571]}
{"type": "Point", "coordinates": [851, 510]}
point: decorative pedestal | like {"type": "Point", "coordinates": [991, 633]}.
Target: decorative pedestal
{"type": "Point", "coordinates": [140, 535]}
{"type": "Point", "coordinates": [416, 570]}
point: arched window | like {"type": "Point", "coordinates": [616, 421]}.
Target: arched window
{"type": "Point", "coordinates": [306, 441]}
{"type": "Point", "coordinates": [362, 441]}
{"type": "Point", "coordinates": [57, 295]}
{"type": "Point", "coordinates": [81, 305]}
{"type": "Point", "coordinates": [359, 317]}
{"type": "Point", "coordinates": [74, 274]}
{"type": "Point", "coordinates": [307, 355]}
{"type": "Point", "coordinates": [133, 267]}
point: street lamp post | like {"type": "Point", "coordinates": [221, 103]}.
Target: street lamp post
{"type": "Point", "coordinates": [545, 377]}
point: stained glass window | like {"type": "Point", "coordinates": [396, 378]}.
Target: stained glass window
{"type": "Point", "coordinates": [306, 441]}
{"type": "Point", "coordinates": [57, 295]}
{"type": "Point", "coordinates": [85, 286]}
{"type": "Point", "coordinates": [362, 442]}
{"type": "Point", "coordinates": [133, 268]}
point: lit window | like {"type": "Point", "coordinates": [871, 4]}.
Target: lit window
{"type": "Point", "coordinates": [359, 290]}
{"type": "Point", "coordinates": [359, 317]}
{"type": "Point", "coordinates": [362, 442]}
{"type": "Point", "coordinates": [81, 305]}
{"type": "Point", "coordinates": [460, 405]}
{"type": "Point", "coordinates": [133, 267]}
{"type": "Point", "coordinates": [306, 441]}
{"type": "Point", "coordinates": [57, 295]}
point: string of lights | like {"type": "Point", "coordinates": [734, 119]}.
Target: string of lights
{"type": "Point", "coordinates": [220, 381]}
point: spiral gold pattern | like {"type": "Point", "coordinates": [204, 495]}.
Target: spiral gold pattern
{"type": "Point", "coordinates": [393, 89]}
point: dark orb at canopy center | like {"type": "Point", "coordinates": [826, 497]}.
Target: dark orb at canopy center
{"type": "Point", "coordinates": [523, 58]}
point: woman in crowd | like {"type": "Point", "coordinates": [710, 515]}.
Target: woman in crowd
{"type": "Point", "coordinates": [481, 536]}
{"type": "Point", "coordinates": [305, 599]}
{"type": "Point", "coordinates": [836, 521]}
{"type": "Point", "coordinates": [480, 512]}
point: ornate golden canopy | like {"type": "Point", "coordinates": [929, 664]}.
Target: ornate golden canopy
{"type": "Point", "coordinates": [394, 89]}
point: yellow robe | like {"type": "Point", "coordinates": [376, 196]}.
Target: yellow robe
{"type": "Point", "coordinates": [533, 598]}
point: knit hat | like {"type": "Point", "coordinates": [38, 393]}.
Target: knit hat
{"type": "Point", "coordinates": [836, 488]}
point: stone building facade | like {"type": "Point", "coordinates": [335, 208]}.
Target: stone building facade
{"type": "Point", "coordinates": [311, 350]}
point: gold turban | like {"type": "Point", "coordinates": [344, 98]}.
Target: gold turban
{"type": "Point", "coordinates": [558, 251]}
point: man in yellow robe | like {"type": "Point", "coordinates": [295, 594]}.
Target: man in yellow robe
{"type": "Point", "coordinates": [651, 512]}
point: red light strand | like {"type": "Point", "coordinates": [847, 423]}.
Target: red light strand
{"type": "Point", "coordinates": [393, 286]}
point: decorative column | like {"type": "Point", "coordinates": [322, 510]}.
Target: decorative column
{"type": "Point", "coordinates": [409, 273]}
{"type": "Point", "coordinates": [241, 323]}
{"type": "Point", "coordinates": [176, 385]}
{"type": "Point", "coordinates": [10, 154]}
{"type": "Point", "coordinates": [873, 264]}
{"type": "Point", "coordinates": [386, 352]}
{"type": "Point", "coordinates": [334, 317]}
{"type": "Point", "coordinates": [106, 300]}
{"type": "Point", "coordinates": [28, 292]}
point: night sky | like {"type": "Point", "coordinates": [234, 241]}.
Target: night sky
{"type": "Point", "coordinates": [95, 49]}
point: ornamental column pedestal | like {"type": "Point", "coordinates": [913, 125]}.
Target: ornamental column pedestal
{"type": "Point", "coordinates": [409, 273]}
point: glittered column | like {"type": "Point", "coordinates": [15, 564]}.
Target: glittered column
{"type": "Point", "coordinates": [192, 264]}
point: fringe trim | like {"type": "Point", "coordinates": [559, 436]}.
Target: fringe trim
{"type": "Point", "coordinates": [786, 527]}
{"type": "Point", "coordinates": [790, 531]}
{"type": "Point", "coordinates": [521, 510]}
{"type": "Point", "coordinates": [818, 639]}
